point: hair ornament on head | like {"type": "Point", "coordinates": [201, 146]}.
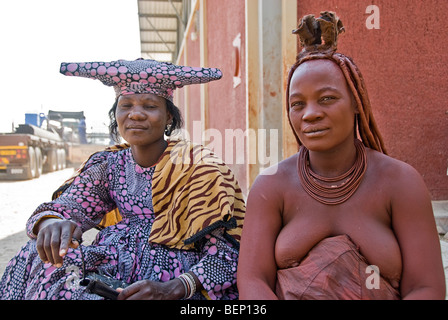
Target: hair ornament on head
{"type": "Point", "coordinates": [141, 76]}
{"type": "Point", "coordinates": [319, 34]}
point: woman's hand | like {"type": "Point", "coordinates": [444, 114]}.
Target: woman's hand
{"type": "Point", "coordinates": [54, 236]}
{"type": "Point", "coordinates": [153, 290]}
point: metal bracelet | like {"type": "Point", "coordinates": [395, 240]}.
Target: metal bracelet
{"type": "Point", "coordinates": [191, 284]}
{"type": "Point", "coordinates": [185, 284]}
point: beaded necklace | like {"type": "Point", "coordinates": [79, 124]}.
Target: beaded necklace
{"type": "Point", "coordinates": [336, 190]}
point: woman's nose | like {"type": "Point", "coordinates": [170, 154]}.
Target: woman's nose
{"type": "Point", "coordinates": [312, 112]}
{"type": "Point", "coordinates": [137, 113]}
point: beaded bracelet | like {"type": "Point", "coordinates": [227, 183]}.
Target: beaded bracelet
{"type": "Point", "coordinates": [189, 285]}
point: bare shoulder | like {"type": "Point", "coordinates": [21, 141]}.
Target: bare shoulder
{"type": "Point", "coordinates": [398, 175]}
{"type": "Point", "coordinates": [389, 165]}
{"type": "Point", "coordinates": [271, 185]}
{"type": "Point", "coordinates": [279, 174]}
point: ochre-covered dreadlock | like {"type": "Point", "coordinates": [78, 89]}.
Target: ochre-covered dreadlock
{"type": "Point", "coordinates": [318, 38]}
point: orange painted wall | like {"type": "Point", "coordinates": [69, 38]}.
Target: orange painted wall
{"type": "Point", "coordinates": [227, 105]}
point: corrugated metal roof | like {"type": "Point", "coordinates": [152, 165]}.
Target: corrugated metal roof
{"type": "Point", "coordinates": [162, 24]}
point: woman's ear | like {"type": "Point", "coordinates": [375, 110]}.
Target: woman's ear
{"type": "Point", "coordinates": [169, 124]}
{"type": "Point", "coordinates": [169, 119]}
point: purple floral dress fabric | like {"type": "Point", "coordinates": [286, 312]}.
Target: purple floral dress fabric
{"type": "Point", "coordinates": [121, 251]}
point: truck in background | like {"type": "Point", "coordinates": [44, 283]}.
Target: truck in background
{"type": "Point", "coordinates": [46, 143]}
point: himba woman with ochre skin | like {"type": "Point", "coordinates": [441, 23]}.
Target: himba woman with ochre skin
{"type": "Point", "coordinates": [339, 208]}
{"type": "Point", "coordinates": [177, 232]}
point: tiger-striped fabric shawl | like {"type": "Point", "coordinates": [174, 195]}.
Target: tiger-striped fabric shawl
{"type": "Point", "coordinates": [193, 193]}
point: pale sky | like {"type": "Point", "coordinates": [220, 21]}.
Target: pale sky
{"type": "Point", "coordinates": [37, 35]}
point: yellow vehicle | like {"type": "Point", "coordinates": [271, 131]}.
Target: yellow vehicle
{"type": "Point", "coordinates": [45, 143]}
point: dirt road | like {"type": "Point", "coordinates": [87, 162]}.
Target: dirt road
{"type": "Point", "coordinates": [18, 199]}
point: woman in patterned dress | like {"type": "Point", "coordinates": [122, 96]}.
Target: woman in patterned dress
{"type": "Point", "coordinates": [180, 220]}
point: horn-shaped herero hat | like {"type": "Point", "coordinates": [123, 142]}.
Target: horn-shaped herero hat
{"type": "Point", "coordinates": [141, 76]}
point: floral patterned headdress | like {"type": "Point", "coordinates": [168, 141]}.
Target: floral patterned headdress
{"type": "Point", "coordinates": [141, 76]}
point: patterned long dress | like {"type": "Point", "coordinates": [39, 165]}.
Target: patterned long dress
{"type": "Point", "coordinates": [122, 251]}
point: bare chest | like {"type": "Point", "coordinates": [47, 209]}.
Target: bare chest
{"type": "Point", "coordinates": [368, 224]}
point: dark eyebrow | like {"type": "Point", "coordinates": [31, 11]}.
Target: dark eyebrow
{"type": "Point", "coordinates": [125, 99]}
{"type": "Point", "coordinates": [323, 89]}
{"type": "Point", "coordinates": [150, 98]}
{"type": "Point", "coordinates": [295, 95]}
{"type": "Point", "coordinates": [328, 88]}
